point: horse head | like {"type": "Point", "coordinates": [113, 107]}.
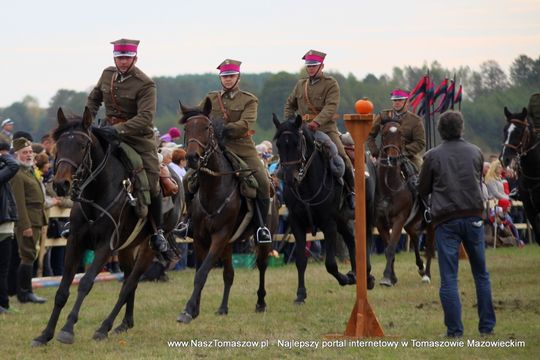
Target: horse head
{"type": "Point", "coordinates": [391, 142]}
{"type": "Point", "coordinates": [517, 133]}
{"type": "Point", "coordinates": [293, 141]}
{"type": "Point", "coordinates": [73, 142]}
{"type": "Point", "coordinates": [199, 134]}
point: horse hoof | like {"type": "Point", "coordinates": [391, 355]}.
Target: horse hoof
{"type": "Point", "coordinates": [260, 308]}
{"type": "Point", "coordinates": [421, 272]}
{"type": "Point", "coordinates": [426, 279]}
{"type": "Point", "coordinates": [122, 328]}
{"type": "Point", "coordinates": [351, 276]}
{"type": "Point", "coordinates": [38, 343]}
{"type": "Point", "coordinates": [184, 318]}
{"type": "Point", "coordinates": [65, 338]}
{"type": "Point", "coordinates": [386, 282]}
{"type": "Point", "coordinates": [98, 336]}
{"type": "Point", "coordinates": [299, 302]}
{"type": "Point", "coordinates": [222, 311]}
{"type": "Point", "coordinates": [371, 282]}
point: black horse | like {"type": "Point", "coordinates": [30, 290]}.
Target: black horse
{"type": "Point", "coordinates": [396, 207]}
{"type": "Point", "coordinates": [101, 220]}
{"type": "Point", "coordinates": [314, 198]}
{"type": "Point", "coordinates": [521, 149]}
{"type": "Point", "coordinates": [218, 210]}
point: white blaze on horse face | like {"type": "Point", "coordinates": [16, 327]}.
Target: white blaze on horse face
{"type": "Point", "coordinates": [392, 129]}
{"type": "Point", "coordinates": [511, 128]}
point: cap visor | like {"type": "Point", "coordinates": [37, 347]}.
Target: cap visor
{"type": "Point", "coordinates": [127, 54]}
{"type": "Point", "coordinates": [229, 72]}
{"type": "Point", "coordinates": [313, 62]}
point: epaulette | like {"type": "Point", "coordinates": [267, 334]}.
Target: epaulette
{"type": "Point", "coordinates": [249, 94]}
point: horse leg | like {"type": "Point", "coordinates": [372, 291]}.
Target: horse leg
{"type": "Point", "coordinates": [391, 241]}
{"type": "Point", "coordinates": [192, 308]}
{"type": "Point", "coordinates": [127, 292]}
{"type": "Point", "coordinates": [228, 278]}
{"type": "Point", "coordinates": [430, 253]}
{"type": "Point", "coordinates": [330, 230]}
{"type": "Point", "coordinates": [300, 260]}
{"type": "Point", "coordinates": [345, 228]}
{"type": "Point", "coordinates": [369, 243]}
{"type": "Point", "coordinates": [262, 264]}
{"type": "Point", "coordinates": [72, 259]}
{"type": "Point", "coordinates": [414, 232]}
{"type": "Point", "coordinates": [66, 335]}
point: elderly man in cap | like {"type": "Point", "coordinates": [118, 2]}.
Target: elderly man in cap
{"type": "Point", "coordinates": [30, 201]}
{"type": "Point", "coordinates": [238, 109]}
{"type": "Point", "coordinates": [412, 132]}
{"type": "Point", "coordinates": [6, 131]}
{"type": "Point", "coordinates": [129, 96]}
{"type": "Point", "coordinates": [316, 99]}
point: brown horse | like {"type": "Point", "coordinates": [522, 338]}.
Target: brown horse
{"type": "Point", "coordinates": [396, 208]}
{"type": "Point", "coordinates": [217, 210]}
{"type": "Point", "coordinates": [101, 220]}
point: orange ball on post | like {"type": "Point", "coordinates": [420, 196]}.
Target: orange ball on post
{"type": "Point", "coordinates": [363, 106]}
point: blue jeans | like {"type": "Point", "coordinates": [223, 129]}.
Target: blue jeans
{"type": "Point", "coordinates": [449, 236]}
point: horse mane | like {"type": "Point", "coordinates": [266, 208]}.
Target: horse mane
{"type": "Point", "coordinates": [72, 122]}
{"type": "Point", "coordinates": [290, 125]}
{"type": "Point", "coordinates": [217, 123]}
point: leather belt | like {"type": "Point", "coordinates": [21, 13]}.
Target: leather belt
{"type": "Point", "coordinates": [311, 117]}
{"type": "Point", "coordinates": [113, 120]}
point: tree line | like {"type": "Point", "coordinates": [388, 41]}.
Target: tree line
{"type": "Point", "coordinates": [486, 91]}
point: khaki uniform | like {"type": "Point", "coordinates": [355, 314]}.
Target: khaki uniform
{"type": "Point", "coordinates": [132, 112]}
{"type": "Point", "coordinates": [241, 107]}
{"type": "Point", "coordinates": [324, 97]}
{"type": "Point", "coordinates": [30, 201]}
{"type": "Point", "coordinates": [5, 138]}
{"type": "Point", "coordinates": [412, 132]}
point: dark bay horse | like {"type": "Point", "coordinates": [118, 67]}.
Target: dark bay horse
{"type": "Point", "coordinates": [395, 208]}
{"type": "Point", "coordinates": [314, 199]}
{"type": "Point", "coordinates": [521, 149]}
{"type": "Point", "coordinates": [217, 210]}
{"type": "Point", "coordinates": [101, 220]}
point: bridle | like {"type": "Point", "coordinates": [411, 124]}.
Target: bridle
{"type": "Point", "coordinates": [524, 140]}
{"type": "Point", "coordinates": [385, 160]}
{"type": "Point", "coordinates": [84, 175]}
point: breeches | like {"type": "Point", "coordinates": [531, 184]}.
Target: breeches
{"type": "Point", "coordinates": [253, 162]}
{"type": "Point", "coordinates": [334, 136]}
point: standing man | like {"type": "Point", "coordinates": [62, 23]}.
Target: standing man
{"type": "Point", "coordinates": [412, 132]}
{"type": "Point", "coordinates": [316, 99]}
{"type": "Point", "coordinates": [8, 216]}
{"type": "Point", "coordinates": [6, 131]}
{"type": "Point", "coordinates": [30, 201]}
{"type": "Point", "coordinates": [130, 106]}
{"type": "Point", "coordinates": [452, 174]}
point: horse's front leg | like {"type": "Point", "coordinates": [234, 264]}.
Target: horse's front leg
{"type": "Point", "coordinates": [66, 335]}
{"type": "Point", "coordinates": [228, 279]}
{"type": "Point", "coordinates": [346, 229]}
{"type": "Point", "coordinates": [389, 252]}
{"type": "Point", "coordinates": [262, 264]}
{"type": "Point", "coordinates": [389, 275]}
{"type": "Point", "coordinates": [191, 311]}
{"type": "Point", "coordinates": [72, 259]}
{"type": "Point", "coordinates": [301, 260]}
{"type": "Point", "coordinates": [330, 231]}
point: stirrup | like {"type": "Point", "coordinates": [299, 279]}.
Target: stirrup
{"type": "Point", "coordinates": [182, 229]}
{"type": "Point", "coordinates": [65, 233]}
{"type": "Point", "coordinates": [263, 235]}
{"type": "Point", "coordinates": [159, 243]}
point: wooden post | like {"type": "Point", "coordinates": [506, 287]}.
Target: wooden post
{"type": "Point", "coordinates": [363, 322]}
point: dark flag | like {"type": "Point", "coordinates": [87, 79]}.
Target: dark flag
{"type": "Point", "coordinates": [440, 90]}
{"type": "Point", "coordinates": [458, 98]}
{"type": "Point", "coordinates": [448, 100]}
{"type": "Point", "coordinates": [418, 90]}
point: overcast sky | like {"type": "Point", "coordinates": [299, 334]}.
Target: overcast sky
{"type": "Point", "coordinates": [48, 45]}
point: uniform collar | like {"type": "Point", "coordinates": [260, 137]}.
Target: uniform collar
{"type": "Point", "coordinates": [316, 80]}
{"type": "Point", "coordinates": [122, 77]}
{"type": "Point", "coordinates": [230, 93]}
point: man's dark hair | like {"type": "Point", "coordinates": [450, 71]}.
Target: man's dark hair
{"type": "Point", "coordinates": [450, 125]}
{"type": "Point", "coordinates": [4, 146]}
{"type": "Point", "coordinates": [46, 137]}
{"type": "Point", "coordinates": [23, 134]}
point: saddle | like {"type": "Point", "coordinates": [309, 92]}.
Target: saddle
{"type": "Point", "coordinates": [329, 149]}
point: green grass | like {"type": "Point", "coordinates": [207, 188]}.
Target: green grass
{"type": "Point", "coordinates": [410, 310]}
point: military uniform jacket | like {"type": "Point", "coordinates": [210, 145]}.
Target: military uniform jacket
{"type": "Point", "coordinates": [241, 107]}
{"type": "Point", "coordinates": [5, 138]}
{"type": "Point", "coordinates": [135, 101]}
{"type": "Point", "coordinates": [29, 198]}
{"type": "Point", "coordinates": [324, 97]}
{"type": "Point", "coordinates": [412, 132]}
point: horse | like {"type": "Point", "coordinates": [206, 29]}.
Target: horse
{"type": "Point", "coordinates": [218, 210]}
{"type": "Point", "coordinates": [395, 209]}
{"type": "Point", "coordinates": [521, 149]}
{"type": "Point", "coordinates": [101, 220]}
{"type": "Point", "coordinates": [314, 198]}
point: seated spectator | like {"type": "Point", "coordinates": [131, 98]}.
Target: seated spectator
{"type": "Point", "coordinates": [507, 234]}
{"type": "Point", "coordinates": [494, 181]}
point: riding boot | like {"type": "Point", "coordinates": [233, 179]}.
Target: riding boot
{"type": "Point", "coordinates": [158, 241]}
{"type": "Point", "coordinates": [65, 231]}
{"type": "Point", "coordinates": [348, 177]}
{"type": "Point", "coordinates": [412, 176]}
{"type": "Point", "coordinates": [24, 289]}
{"type": "Point", "coordinates": [262, 235]}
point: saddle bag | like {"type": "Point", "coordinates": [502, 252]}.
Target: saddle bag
{"type": "Point", "coordinates": [168, 185]}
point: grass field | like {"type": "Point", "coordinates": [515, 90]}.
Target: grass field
{"type": "Point", "coordinates": [409, 311]}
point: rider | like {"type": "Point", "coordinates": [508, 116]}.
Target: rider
{"type": "Point", "coordinates": [238, 109]}
{"type": "Point", "coordinates": [412, 132]}
{"type": "Point", "coordinates": [129, 96]}
{"type": "Point", "coordinates": [316, 99]}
